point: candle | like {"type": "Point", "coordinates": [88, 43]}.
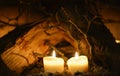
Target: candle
{"type": "Point", "coordinates": [78, 64]}
{"type": "Point", "coordinates": [53, 64]}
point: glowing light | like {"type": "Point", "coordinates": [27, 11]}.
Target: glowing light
{"type": "Point", "coordinates": [76, 55]}
{"type": "Point", "coordinates": [117, 41]}
{"type": "Point", "coordinates": [53, 54]}
{"type": "Point", "coordinates": [78, 63]}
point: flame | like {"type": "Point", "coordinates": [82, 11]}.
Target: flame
{"type": "Point", "coordinates": [53, 54]}
{"type": "Point", "coordinates": [76, 55]}
{"type": "Point", "coordinates": [117, 41]}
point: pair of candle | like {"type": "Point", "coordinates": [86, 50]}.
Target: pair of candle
{"type": "Point", "coordinates": [75, 64]}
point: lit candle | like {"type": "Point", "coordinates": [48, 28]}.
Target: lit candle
{"type": "Point", "coordinates": [78, 64]}
{"type": "Point", "coordinates": [53, 64]}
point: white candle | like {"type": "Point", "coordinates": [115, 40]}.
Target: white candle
{"type": "Point", "coordinates": [78, 64]}
{"type": "Point", "coordinates": [53, 64]}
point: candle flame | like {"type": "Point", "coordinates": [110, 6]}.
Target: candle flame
{"type": "Point", "coordinates": [117, 41]}
{"type": "Point", "coordinates": [76, 55]}
{"type": "Point", "coordinates": [53, 54]}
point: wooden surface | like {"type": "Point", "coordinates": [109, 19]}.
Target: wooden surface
{"type": "Point", "coordinates": [21, 54]}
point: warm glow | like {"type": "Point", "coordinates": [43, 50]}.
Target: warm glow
{"type": "Point", "coordinates": [53, 64]}
{"type": "Point", "coordinates": [77, 64]}
{"type": "Point", "coordinates": [76, 54]}
{"type": "Point", "coordinates": [117, 41]}
{"type": "Point", "coordinates": [53, 54]}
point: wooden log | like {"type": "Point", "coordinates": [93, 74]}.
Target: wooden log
{"type": "Point", "coordinates": [21, 54]}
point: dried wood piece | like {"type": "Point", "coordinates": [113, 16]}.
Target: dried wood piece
{"type": "Point", "coordinates": [21, 54]}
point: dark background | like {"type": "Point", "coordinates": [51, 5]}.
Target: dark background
{"type": "Point", "coordinates": [109, 9]}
